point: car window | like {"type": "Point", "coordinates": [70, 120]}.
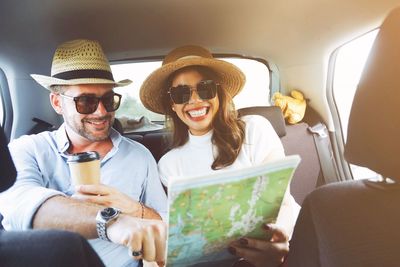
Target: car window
{"type": "Point", "coordinates": [133, 115]}
{"type": "Point", "coordinates": [256, 91]}
{"type": "Point", "coordinates": [136, 118]}
{"type": "Point", "coordinates": [349, 64]}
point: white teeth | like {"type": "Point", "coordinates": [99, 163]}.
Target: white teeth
{"type": "Point", "coordinates": [198, 112]}
{"type": "Point", "coordinates": [97, 122]}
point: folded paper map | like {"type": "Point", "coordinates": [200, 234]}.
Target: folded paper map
{"type": "Point", "coordinates": [206, 213]}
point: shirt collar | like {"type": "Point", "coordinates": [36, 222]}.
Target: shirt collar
{"type": "Point", "coordinates": [62, 139]}
{"type": "Point", "coordinates": [116, 138]}
{"type": "Point", "coordinates": [201, 139]}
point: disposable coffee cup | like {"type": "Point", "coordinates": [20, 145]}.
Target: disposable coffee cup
{"type": "Point", "coordinates": [84, 168]}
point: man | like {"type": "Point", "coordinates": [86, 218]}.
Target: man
{"type": "Point", "coordinates": [125, 210]}
{"type": "Point", "coordinates": [57, 248]}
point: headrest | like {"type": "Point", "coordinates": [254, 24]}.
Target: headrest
{"type": "Point", "coordinates": [374, 124]}
{"type": "Point", "coordinates": [8, 172]}
{"type": "Point", "coordinates": [273, 114]}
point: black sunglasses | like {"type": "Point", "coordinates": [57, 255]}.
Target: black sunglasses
{"type": "Point", "coordinates": [181, 94]}
{"type": "Point", "coordinates": [87, 104]}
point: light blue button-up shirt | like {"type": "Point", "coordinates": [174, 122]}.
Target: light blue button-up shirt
{"type": "Point", "coordinates": [41, 162]}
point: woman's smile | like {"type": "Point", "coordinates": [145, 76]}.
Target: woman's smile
{"type": "Point", "coordinates": [197, 114]}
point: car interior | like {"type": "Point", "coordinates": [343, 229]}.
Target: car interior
{"type": "Point", "coordinates": [344, 221]}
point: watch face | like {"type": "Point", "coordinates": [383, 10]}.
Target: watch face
{"type": "Point", "coordinates": [108, 213]}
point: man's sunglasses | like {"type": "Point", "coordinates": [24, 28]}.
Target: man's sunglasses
{"type": "Point", "coordinates": [87, 104]}
{"type": "Point", "coordinates": [181, 94]}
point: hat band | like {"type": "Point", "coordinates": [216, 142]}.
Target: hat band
{"type": "Point", "coordinates": [81, 74]}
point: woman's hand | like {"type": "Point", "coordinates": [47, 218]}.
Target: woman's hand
{"type": "Point", "coordinates": [266, 253]}
{"type": "Point", "coordinates": [107, 196]}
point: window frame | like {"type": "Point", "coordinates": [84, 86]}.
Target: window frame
{"type": "Point", "coordinates": [338, 138]}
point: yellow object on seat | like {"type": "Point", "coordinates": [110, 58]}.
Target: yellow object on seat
{"type": "Point", "coordinates": [293, 107]}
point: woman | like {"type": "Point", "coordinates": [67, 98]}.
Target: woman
{"type": "Point", "coordinates": [195, 91]}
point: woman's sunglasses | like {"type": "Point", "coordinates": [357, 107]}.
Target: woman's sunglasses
{"type": "Point", "coordinates": [87, 104]}
{"type": "Point", "coordinates": [181, 94]}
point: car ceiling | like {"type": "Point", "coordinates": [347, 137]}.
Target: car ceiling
{"type": "Point", "coordinates": [267, 28]}
{"type": "Point", "coordinates": [296, 35]}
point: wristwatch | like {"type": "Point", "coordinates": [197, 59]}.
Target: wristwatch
{"type": "Point", "coordinates": [103, 219]}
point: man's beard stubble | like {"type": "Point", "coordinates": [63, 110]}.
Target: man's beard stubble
{"type": "Point", "coordinates": [86, 133]}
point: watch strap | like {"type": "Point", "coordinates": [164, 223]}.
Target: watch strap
{"type": "Point", "coordinates": [102, 230]}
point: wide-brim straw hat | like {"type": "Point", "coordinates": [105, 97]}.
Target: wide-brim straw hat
{"type": "Point", "coordinates": [230, 77]}
{"type": "Point", "coordinates": [79, 62]}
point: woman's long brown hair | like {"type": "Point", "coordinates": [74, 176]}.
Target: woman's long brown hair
{"type": "Point", "coordinates": [228, 129]}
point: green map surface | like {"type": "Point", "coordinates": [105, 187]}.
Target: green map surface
{"type": "Point", "coordinates": [203, 220]}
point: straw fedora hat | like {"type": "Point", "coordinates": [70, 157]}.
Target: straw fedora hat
{"type": "Point", "coordinates": [79, 62]}
{"type": "Point", "coordinates": [231, 77]}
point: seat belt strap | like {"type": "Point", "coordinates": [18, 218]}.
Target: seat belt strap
{"type": "Point", "coordinates": [325, 152]}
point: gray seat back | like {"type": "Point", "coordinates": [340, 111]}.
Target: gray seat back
{"type": "Point", "coordinates": [8, 172]}
{"type": "Point", "coordinates": [273, 114]}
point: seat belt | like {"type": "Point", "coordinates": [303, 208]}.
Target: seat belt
{"type": "Point", "coordinates": [325, 152]}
